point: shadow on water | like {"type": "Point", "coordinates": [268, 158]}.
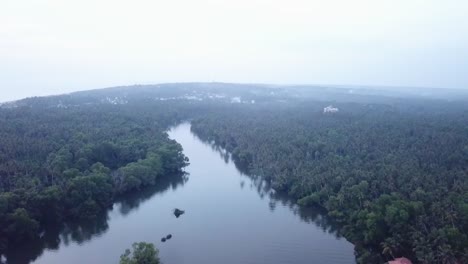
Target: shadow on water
{"type": "Point", "coordinates": [312, 214]}
{"type": "Point", "coordinates": [132, 201]}
{"type": "Point", "coordinates": [84, 230]}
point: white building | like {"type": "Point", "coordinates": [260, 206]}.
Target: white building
{"type": "Point", "coordinates": [330, 109]}
{"type": "Point", "coordinates": [236, 100]}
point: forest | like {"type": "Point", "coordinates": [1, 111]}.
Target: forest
{"type": "Point", "coordinates": [61, 165]}
{"type": "Point", "coordinates": [393, 172]}
{"type": "Point", "coordinates": [395, 175]}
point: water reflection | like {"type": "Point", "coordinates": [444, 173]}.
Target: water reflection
{"type": "Point", "coordinates": [312, 215]}
{"type": "Point", "coordinates": [132, 201]}
{"type": "Point", "coordinates": [226, 220]}
{"type": "Point", "coordinates": [83, 231]}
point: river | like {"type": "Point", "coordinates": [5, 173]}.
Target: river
{"type": "Point", "coordinates": [230, 218]}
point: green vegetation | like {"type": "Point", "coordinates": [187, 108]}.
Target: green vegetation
{"type": "Point", "coordinates": [61, 165]}
{"type": "Point", "coordinates": [392, 171]}
{"type": "Point", "coordinates": [395, 176]}
{"type": "Point", "coordinates": [143, 253]}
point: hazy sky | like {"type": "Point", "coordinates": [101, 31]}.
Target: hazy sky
{"type": "Point", "coordinates": [57, 46]}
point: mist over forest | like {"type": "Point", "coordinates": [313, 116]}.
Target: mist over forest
{"type": "Point", "coordinates": [388, 164]}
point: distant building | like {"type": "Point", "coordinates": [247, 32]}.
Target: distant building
{"type": "Point", "coordinates": [236, 100]}
{"type": "Point", "coordinates": [114, 101]}
{"type": "Point", "coordinates": [330, 109]}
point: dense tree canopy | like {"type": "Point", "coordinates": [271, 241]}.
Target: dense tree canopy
{"type": "Point", "coordinates": [396, 176]}
{"type": "Point", "coordinates": [143, 253]}
{"type": "Point", "coordinates": [64, 164]}
{"type": "Point", "coordinates": [393, 171]}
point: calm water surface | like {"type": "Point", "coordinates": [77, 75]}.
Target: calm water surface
{"type": "Point", "coordinates": [230, 218]}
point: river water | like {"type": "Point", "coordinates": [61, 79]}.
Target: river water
{"type": "Point", "coordinates": [230, 218]}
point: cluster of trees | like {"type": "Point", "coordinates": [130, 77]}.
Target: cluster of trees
{"type": "Point", "coordinates": [61, 164]}
{"type": "Point", "coordinates": [83, 230]}
{"type": "Point", "coordinates": [395, 176]}
{"type": "Point", "coordinates": [143, 253]}
{"type": "Point", "coordinates": [393, 173]}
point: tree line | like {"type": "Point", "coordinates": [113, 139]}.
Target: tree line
{"type": "Point", "coordinates": [395, 175]}
{"type": "Point", "coordinates": [59, 165]}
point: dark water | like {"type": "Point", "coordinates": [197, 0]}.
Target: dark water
{"type": "Point", "coordinates": [230, 218]}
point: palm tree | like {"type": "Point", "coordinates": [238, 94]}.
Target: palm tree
{"type": "Point", "coordinates": [387, 248]}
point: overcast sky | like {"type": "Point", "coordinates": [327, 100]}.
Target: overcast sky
{"type": "Point", "coordinates": [58, 46]}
